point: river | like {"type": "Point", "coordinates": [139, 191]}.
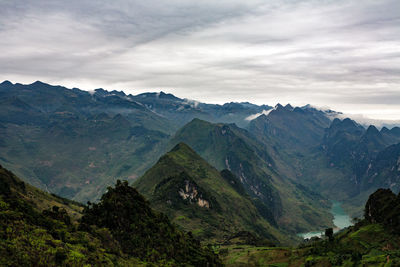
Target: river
{"type": "Point", "coordinates": [340, 220]}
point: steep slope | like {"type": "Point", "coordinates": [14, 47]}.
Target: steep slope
{"type": "Point", "coordinates": [226, 146]}
{"type": "Point", "coordinates": [334, 158]}
{"type": "Point", "coordinates": [391, 136]}
{"type": "Point", "coordinates": [82, 142]}
{"type": "Point", "coordinates": [293, 137]}
{"type": "Point", "coordinates": [292, 129]}
{"type": "Point", "coordinates": [39, 229]}
{"type": "Point", "coordinates": [384, 170]}
{"type": "Point", "coordinates": [349, 146]}
{"type": "Point", "coordinates": [365, 160]}
{"type": "Point", "coordinates": [202, 200]}
{"type": "Point", "coordinates": [340, 139]}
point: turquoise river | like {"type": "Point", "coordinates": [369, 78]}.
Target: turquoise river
{"type": "Point", "coordinates": [340, 220]}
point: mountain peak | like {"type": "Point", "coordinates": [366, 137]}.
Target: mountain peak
{"type": "Point", "coordinates": [289, 107]}
{"type": "Point", "coordinates": [372, 130]}
{"type": "Point", "coordinates": [6, 83]}
{"type": "Point", "coordinates": [118, 93]}
{"type": "Point", "coordinates": [395, 131]}
{"type": "Point", "coordinates": [299, 110]}
{"type": "Point", "coordinates": [278, 107]}
{"type": "Point", "coordinates": [181, 147]}
{"type": "Point", "coordinates": [38, 83]}
{"type": "Point", "coordinates": [336, 121]}
{"type": "Point", "coordinates": [100, 91]}
{"type": "Point", "coordinates": [385, 130]}
{"type": "Point", "coordinates": [185, 184]}
{"type": "Point", "coordinates": [349, 123]}
{"type": "Point", "coordinates": [167, 96]}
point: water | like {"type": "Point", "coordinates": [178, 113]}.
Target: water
{"type": "Point", "coordinates": [340, 220]}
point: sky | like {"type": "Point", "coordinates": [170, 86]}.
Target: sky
{"type": "Point", "coordinates": [341, 54]}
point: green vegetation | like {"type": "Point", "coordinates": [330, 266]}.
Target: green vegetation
{"type": "Point", "coordinates": [281, 201]}
{"type": "Point", "coordinates": [141, 232]}
{"type": "Point", "coordinates": [119, 231]}
{"type": "Point", "coordinates": [81, 143]}
{"type": "Point", "coordinates": [202, 200]}
{"type": "Point", "coordinates": [254, 187]}
{"type": "Point", "coordinates": [374, 241]}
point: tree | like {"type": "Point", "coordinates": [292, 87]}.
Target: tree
{"type": "Point", "coordinates": [329, 233]}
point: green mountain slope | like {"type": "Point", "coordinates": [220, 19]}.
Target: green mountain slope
{"type": "Point", "coordinates": [202, 200]}
{"type": "Point", "coordinates": [39, 229]}
{"type": "Point", "coordinates": [294, 207]}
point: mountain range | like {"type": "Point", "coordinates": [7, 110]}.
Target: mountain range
{"type": "Point", "coordinates": [281, 166]}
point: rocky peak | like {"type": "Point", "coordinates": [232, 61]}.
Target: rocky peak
{"type": "Point", "coordinates": [372, 130]}
{"type": "Point", "coordinates": [289, 107]}
{"type": "Point", "coordinates": [385, 130]}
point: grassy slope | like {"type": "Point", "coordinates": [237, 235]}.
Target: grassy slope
{"type": "Point", "coordinates": [31, 237]}
{"type": "Point", "coordinates": [368, 245]}
{"type": "Point", "coordinates": [40, 199]}
{"type": "Point", "coordinates": [301, 210]}
{"type": "Point", "coordinates": [233, 212]}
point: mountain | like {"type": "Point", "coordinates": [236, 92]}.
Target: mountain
{"type": "Point", "coordinates": [360, 155]}
{"type": "Point", "coordinates": [384, 170]}
{"type": "Point", "coordinates": [293, 129]}
{"type": "Point", "coordinates": [340, 139]}
{"type": "Point", "coordinates": [295, 208]}
{"type": "Point", "coordinates": [210, 204]}
{"type": "Point", "coordinates": [39, 229]}
{"type": "Point", "coordinates": [292, 137]}
{"type": "Point", "coordinates": [84, 141]}
{"type": "Point", "coordinates": [331, 157]}
{"type": "Point", "coordinates": [184, 110]}
{"type": "Point", "coordinates": [289, 160]}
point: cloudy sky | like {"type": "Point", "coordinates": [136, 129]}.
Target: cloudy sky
{"type": "Point", "coordinates": [343, 54]}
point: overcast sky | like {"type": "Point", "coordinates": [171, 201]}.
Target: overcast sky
{"type": "Point", "coordinates": [344, 54]}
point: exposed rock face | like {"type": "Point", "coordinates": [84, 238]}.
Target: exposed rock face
{"type": "Point", "coordinates": [191, 193]}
